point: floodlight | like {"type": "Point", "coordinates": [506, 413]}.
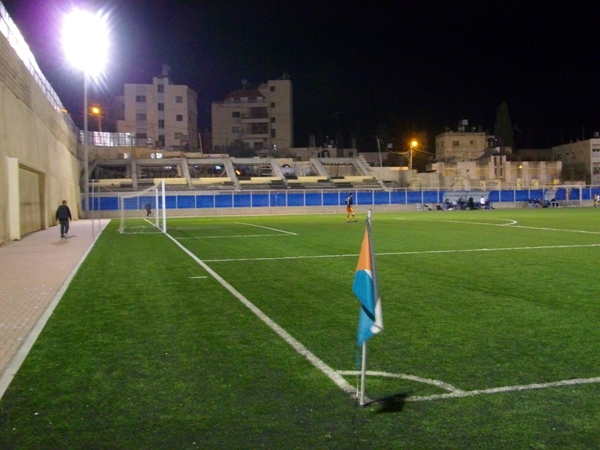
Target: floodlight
{"type": "Point", "coordinates": [85, 40]}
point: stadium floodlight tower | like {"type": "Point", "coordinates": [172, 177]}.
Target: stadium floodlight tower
{"type": "Point", "coordinates": [85, 39]}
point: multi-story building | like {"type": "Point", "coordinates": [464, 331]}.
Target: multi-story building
{"type": "Point", "coordinates": [457, 146]}
{"type": "Point", "coordinates": [161, 115]}
{"type": "Point", "coordinates": [581, 158]}
{"type": "Point", "coordinates": [262, 117]}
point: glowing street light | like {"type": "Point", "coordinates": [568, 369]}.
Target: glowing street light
{"type": "Point", "coordinates": [96, 111]}
{"type": "Point", "coordinates": [413, 145]}
{"type": "Point", "coordinates": [85, 41]}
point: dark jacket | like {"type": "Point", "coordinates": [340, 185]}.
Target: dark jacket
{"type": "Point", "coordinates": [63, 213]}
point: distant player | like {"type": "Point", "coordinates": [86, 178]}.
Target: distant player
{"type": "Point", "coordinates": [349, 208]}
{"type": "Point", "coordinates": [148, 210]}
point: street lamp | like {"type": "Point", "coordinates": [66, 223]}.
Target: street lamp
{"type": "Point", "coordinates": [85, 42]}
{"type": "Point", "coordinates": [96, 111]}
{"type": "Point", "coordinates": [413, 144]}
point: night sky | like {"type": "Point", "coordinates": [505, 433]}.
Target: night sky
{"type": "Point", "coordinates": [419, 65]}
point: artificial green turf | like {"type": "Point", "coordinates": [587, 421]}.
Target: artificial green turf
{"type": "Point", "coordinates": [143, 353]}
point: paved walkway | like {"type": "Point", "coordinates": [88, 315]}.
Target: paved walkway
{"type": "Point", "coordinates": [34, 274]}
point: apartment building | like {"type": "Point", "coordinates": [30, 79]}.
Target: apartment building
{"type": "Point", "coordinates": [162, 115]}
{"type": "Point", "coordinates": [261, 117]}
{"type": "Point", "coordinates": [584, 154]}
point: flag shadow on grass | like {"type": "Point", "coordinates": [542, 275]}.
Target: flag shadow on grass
{"type": "Point", "coordinates": [390, 404]}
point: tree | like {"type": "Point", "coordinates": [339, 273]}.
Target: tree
{"type": "Point", "coordinates": [503, 129]}
{"type": "Point", "coordinates": [240, 149]}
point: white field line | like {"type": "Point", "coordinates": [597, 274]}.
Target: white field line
{"type": "Point", "coordinates": [437, 383]}
{"type": "Point", "coordinates": [296, 345]}
{"type": "Point", "coordinates": [459, 393]}
{"type": "Point", "coordinates": [267, 228]}
{"type": "Point", "coordinates": [280, 233]}
{"type": "Point", "coordinates": [513, 224]}
{"type": "Point", "coordinates": [424, 252]}
{"type": "Point", "coordinates": [508, 222]}
{"type": "Point", "coordinates": [233, 236]}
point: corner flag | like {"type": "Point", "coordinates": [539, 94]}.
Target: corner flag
{"type": "Point", "coordinates": [365, 287]}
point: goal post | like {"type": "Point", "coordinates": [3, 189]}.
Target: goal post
{"type": "Point", "coordinates": [143, 211]}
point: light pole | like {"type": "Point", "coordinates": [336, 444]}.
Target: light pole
{"type": "Point", "coordinates": [413, 145]}
{"type": "Point", "coordinates": [85, 41]}
{"type": "Point", "coordinates": [86, 147]}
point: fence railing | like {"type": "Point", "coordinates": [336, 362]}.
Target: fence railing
{"type": "Point", "coordinates": [572, 195]}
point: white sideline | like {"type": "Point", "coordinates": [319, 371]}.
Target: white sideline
{"type": "Point", "coordinates": [525, 387]}
{"type": "Point", "coordinates": [459, 393]}
{"type": "Point", "coordinates": [296, 345]}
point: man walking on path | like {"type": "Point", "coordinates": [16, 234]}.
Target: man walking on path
{"type": "Point", "coordinates": [63, 215]}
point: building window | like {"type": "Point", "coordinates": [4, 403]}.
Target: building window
{"type": "Point", "coordinates": [140, 99]}
{"type": "Point", "coordinates": [178, 136]}
{"type": "Point", "coordinates": [236, 130]}
{"type": "Point", "coordinates": [259, 128]}
{"type": "Point", "coordinates": [161, 124]}
{"type": "Point", "coordinates": [141, 136]}
{"type": "Point", "coordinates": [179, 99]}
{"type": "Point", "coordinates": [273, 132]}
{"type": "Point", "coordinates": [272, 104]}
{"type": "Point", "coordinates": [235, 114]}
{"type": "Point", "coordinates": [272, 88]}
{"type": "Point", "coordinates": [455, 144]}
{"type": "Point", "coordinates": [272, 119]}
{"type": "Point", "coordinates": [161, 106]}
{"type": "Point", "coordinates": [140, 117]}
{"type": "Point", "coordinates": [161, 88]}
{"type": "Point", "coordinates": [179, 117]}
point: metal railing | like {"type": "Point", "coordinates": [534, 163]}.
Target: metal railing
{"type": "Point", "coordinates": [211, 199]}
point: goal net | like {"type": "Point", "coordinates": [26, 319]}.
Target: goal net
{"type": "Point", "coordinates": [143, 211]}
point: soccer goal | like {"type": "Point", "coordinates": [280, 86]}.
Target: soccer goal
{"type": "Point", "coordinates": [143, 211]}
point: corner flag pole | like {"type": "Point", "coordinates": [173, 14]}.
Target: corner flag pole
{"type": "Point", "coordinates": [363, 365]}
{"type": "Point", "coordinates": [363, 375]}
{"type": "Point", "coordinates": [366, 288]}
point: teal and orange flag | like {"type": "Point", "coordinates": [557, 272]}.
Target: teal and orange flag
{"type": "Point", "coordinates": [365, 287]}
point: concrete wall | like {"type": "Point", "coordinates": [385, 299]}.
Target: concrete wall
{"type": "Point", "coordinates": [38, 159]}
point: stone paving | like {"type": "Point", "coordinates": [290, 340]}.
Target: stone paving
{"type": "Point", "coordinates": [34, 273]}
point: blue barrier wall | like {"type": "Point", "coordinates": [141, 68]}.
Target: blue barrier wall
{"type": "Point", "coordinates": [322, 198]}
